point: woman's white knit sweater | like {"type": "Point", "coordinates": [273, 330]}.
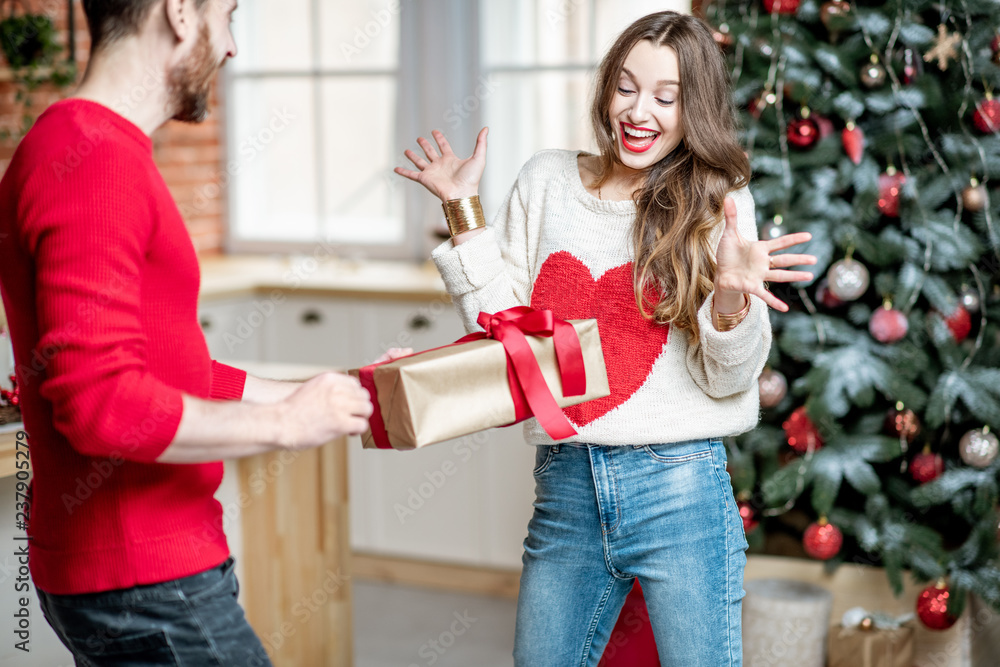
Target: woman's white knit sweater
{"type": "Point", "coordinates": [554, 245]}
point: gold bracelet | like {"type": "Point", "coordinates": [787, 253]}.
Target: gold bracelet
{"type": "Point", "coordinates": [728, 321]}
{"type": "Point", "coordinates": [464, 215]}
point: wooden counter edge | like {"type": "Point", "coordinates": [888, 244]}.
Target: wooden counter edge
{"type": "Point", "coordinates": [264, 289]}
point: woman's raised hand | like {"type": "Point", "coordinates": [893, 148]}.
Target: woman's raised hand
{"type": "Point", "coordinates": [444, 173]}
{"type": "Point", "coordinates": [744, 266]}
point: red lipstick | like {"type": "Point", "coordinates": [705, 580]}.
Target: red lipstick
{"type": "Point", "coordinates": [633, 147]}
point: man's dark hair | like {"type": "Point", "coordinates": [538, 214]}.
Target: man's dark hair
{"type": "Point", "coordinates": [112, 20]}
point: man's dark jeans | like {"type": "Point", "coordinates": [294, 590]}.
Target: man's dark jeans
{"type": "Point", "coordinates": [189, 622]}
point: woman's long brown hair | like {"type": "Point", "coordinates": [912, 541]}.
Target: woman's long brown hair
{"type": "Point", "coordinates": [681, 199]}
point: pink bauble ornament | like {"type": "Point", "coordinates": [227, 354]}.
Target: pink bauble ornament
{"type": "Point", "coordinates": [847, 279]}
{"type": "Point", "coordinates": [748, 515]}
{"type": "Point", "coordinates": [773, 386]}
{"type": "Point", "coordinates": [873, 74]}
{"type": "Point", "coordinates": [974, 196]}
{"type": "Point", "coordinates": [978, 447]}
{"type": "Point", "coordinates": [887, 324]}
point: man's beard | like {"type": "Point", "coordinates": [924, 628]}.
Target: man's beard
{"type": "Point", "coordinates": [191, 81]}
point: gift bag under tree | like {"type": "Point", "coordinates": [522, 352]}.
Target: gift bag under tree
{"type": "Point", "coordinates": [865, 639]}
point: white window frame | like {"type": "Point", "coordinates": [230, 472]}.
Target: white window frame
{"type": "Point", "coordinates": [423, 103]}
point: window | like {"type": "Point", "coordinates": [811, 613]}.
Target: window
{"type": "Point", "coordinates": [311, 105]}
{"type": "Point", "coordinates": [541, 56]}
{"type": "Point", "coordinates": [324, 96]}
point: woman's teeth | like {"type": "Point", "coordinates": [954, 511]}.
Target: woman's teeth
{"type": "Point", "coordinates": [638, 141]}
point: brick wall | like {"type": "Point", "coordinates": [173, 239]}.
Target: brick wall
{"type": "Point", "coordinates": [189, 156]}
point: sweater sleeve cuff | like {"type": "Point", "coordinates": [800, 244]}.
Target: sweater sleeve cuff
{"type": "Point", "coordinates": [227, 382]}
{"type": "Point", "coordinates": [733, 347]}
{"type": "Point", "coordinates": [470, 265]}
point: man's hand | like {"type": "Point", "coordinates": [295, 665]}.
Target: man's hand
{"type": "Point", "coordinates": [316, 412]}
{"type": "Point", "coordinates": [323, 409]}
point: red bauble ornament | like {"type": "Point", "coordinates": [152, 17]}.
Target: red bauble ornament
{"type": "Point", "coordinates": [803, 132]}
{"type": "Point", "coordinates": [902, 422]}
{"type": "Point", "coordinates": [854, 142]}
{"type": "Point", "coordinates": [825, 296]}
{"type": "Point", "coordinates": [932, 607]}
{"type": "Point", "coordinates": [782, 6]}
{"type": "Point", "coordinates": [801, 433]}
{"type": "Point", "coordinates": [926, 466]}
{"type": "Point", "coordinates": [960, 323]}
{"type": "Point", "coordinates": [987, 116]}
{"type": "Point", "coordinates": [890, 185]}
{"type": "Point", "coordinates": [873, 74]}
{"type": "Point", "coordinates": [723, 37]}
{"type": "Point", "coordinates": [822, 540]}
{"type": "Point", "coordinates": [12, 397]}
{"type": "Point", "coordinates": [748, 515]}
{"type": "Point", "coordinates": [888, 325]}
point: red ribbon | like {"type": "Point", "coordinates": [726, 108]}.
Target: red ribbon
{"type": "Point", "coordinates": [527, 385]}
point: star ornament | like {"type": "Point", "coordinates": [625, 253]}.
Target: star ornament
{"type": "Point", "coordinates": [944, 48]}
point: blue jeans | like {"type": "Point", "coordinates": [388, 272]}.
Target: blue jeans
{"type": "Point", "coordinates": [604, 516]}
{"type": "Point", "coordinates": [191, 622]}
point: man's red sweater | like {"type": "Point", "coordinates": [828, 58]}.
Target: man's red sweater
{"type": "Point", "coordinates": [100, 283]}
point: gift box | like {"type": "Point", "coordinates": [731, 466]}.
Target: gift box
{"type": "Point", "coordinates": [525, 363]}
{"type": "Point", "coordinates": [865, 639]}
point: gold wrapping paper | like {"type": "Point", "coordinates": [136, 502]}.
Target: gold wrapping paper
{"type": "Point", "coordinates": [855, 647]}
{"type": "Point", "coordinates": [461, 389]}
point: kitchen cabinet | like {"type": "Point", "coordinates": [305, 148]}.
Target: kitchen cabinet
{"type": "Point", "coordinates": [311, 330]}
{"type": "Point", "coordinates": [232, 328]}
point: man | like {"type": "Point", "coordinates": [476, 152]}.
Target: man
{"type": "Point", "coordinates": [128, 415]}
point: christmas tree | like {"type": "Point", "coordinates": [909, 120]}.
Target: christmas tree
{"type": "Point", "coordinates": [874, 127]}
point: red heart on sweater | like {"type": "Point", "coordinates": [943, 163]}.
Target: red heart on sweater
{"type": "Point", "coordinates": [631, 343]}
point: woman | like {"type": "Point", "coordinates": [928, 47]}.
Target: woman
{"type": "Point", "coordinates": [656, 238]}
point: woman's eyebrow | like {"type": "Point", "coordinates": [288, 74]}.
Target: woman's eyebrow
{"type": "Point", "coordinates": [661, 82]}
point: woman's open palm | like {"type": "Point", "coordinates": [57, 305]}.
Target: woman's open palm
{"type": "Point", "coordinates": [442, 172]}
{"type": "Point", "coordinates": [744, 266]}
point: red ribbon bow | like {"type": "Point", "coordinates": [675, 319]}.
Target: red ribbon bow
{"type": "Point", "coordinates": [527, 385]}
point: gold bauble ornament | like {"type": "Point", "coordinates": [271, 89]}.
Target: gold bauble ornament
{"type": "Point", "coordinates": [974, 196]}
